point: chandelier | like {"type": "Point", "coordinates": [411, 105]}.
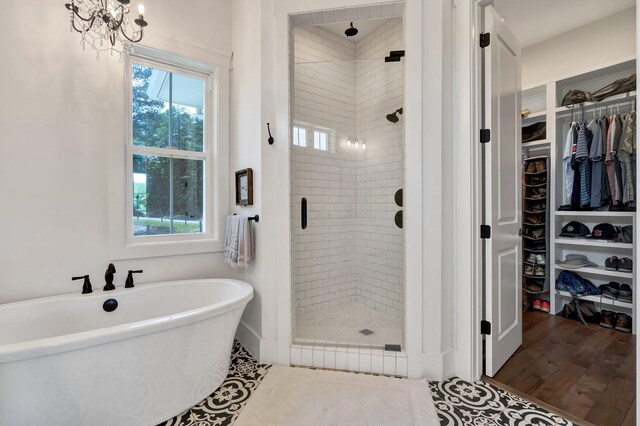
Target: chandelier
{"type": "Point", "coordinates": [105, 25]}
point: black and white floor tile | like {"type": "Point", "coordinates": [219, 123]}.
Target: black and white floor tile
{"type": "Point", "coordinates": [463, 403]}
{"type": "Point", "coordinates": [222, 407]}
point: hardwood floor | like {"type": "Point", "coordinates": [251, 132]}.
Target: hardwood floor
{"type": "Point", "coordinates": [587, 371]}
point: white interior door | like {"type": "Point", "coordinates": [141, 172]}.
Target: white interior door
{"type": "Point", "coordinates": [502, 187]}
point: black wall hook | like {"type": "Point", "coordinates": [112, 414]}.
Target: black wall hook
{"type": "Point", "coordinates": [270, 140]}
{"type": "Point", "coordinates": [255, 218]}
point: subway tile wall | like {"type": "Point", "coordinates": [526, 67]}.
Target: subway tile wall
{"type": "Point", "coordinates": [351, 250]}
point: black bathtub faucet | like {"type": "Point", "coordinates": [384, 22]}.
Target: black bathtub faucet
{"type": "Point", "coordinates": [129, 282]}
{"type": "Point", "coordinates": [108, 277]}
{"type": "Point", "coordinates": [86, 287]}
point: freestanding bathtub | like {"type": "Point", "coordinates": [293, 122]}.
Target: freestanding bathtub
{"type": "Point", "coordinates": [66, 361]}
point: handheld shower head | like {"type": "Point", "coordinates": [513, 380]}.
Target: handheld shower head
{"type": "Point", "coordinates": [351, 31]}
{"type": "Point", "coordinates": [393, 117]}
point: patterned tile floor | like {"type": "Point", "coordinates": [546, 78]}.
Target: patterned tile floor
{"type": "Point", "coordinates": [458, 402]}
{"type": "Point", "coordinates": [462, 403]}
{"type": "Point", "coordinates": [222, 407]}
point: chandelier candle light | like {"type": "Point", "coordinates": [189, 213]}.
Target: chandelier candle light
{"type": "Point", "coordinates": [104, 25]}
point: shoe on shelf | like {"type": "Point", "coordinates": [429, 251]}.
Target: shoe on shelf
{"type": "Point", "coordinates": [611, 263]}
{"type": "Point", "coordinates": [538, 208]}
{"type": "Point", "coordinates": [531, 167]}
{"type": "Point", "coordinates": [625, 264]}
{"type": "Point", "coordinates": [538, 233]}
{"type": "Point", "coordinates": [538, 271]}
{"type": "Point", "coordinates": [537, 304]}
{"type": "Point", "coordinates": [533, 219]}
{"type": "Point", "coordinates": [532, 258]}
{"type": "Point", "coordinates": [607, 318]}
{"type": "Point", "coordinates": [589, 312]}
{"type": "Point", "coordinates": [611, 290]}
{"type": "Point", "coordinates": [545, 306]}
{"type": "Point", "coordinates": [533, 286]}
{"type": "Point", "coordinates": [623, 322]}
{"type": "Point", "coordinates": [540, 259]}
{"type": "Point", "coordinates": [541, 166]}
{"type": "Point", "coordinates": [625, 293]}
{"type": "Point", "coordinates": [528, 270]}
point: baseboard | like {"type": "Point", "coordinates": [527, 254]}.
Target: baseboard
{"type": "Point", "coordinates": [263, 350]}
{"type": "Point", "coordinates": [249, 339]}
{"type": "Point", "coordinates": [438, 365]}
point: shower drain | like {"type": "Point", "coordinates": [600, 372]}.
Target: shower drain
{"type": "Point", "coordinates": [366, 332]}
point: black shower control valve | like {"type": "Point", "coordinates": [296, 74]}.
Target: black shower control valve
{"type": "Point", "coordinates": [86, 286]}
{"type": "Point", "coordinates": [129, 282]}
{"type": "Point", "coordinates": [108, 277]}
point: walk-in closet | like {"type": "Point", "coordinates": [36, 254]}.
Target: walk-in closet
{"type": "Point", "coordinates": [578, 180]}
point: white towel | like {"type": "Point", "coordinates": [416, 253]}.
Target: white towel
{"type": "Point", "coordinates": [238, 241]}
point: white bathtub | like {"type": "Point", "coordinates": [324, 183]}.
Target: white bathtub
{"type": "Point", "coordinates": [65, 361]}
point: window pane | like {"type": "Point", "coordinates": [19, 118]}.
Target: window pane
{"type": "Point", "coordinates": [168, 109]}
{"type": "Point", "coordinates": [296, 132]}
{"type": "Point", "coordinates": [302, 137]}
{"type": "Point", "coordinates": [167, 195]}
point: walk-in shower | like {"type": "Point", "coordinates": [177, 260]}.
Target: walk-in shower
{"type": "Point", "coordinates": [347, 164]}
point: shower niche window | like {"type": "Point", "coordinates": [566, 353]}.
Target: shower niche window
{"type": "Point", "coordinates": [347, 162]}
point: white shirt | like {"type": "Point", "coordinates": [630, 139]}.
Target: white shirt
{"type": "Point", "coordinates": [567, 172]}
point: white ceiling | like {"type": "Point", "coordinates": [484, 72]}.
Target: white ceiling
{"type": "Point", "coordinates": [533, 21]}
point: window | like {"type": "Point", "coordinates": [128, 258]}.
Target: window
{"type": "Point", "coordinates": [320, 140]}
{"type": "Point", "coordinates": [167, 151]}
{"type": "Point", "coordinates": [300, 136]}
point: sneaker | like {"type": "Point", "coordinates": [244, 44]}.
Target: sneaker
{"type": "Point", "coordinates": [528, 270]}
{"type": "Point", "coordinates": [538, 233]}
{"type": "Point", "coordinates": [623, 322]}
{"type": "Point", "coordinates": [611, 290]}
{"type": "Point", "coordinates": [607, 318]}
{"type": "Point", "coordinates": [546, 306]}
{"type": "Point", "coordinates": [625, 264]}
{"type": "Point", "coordinates": [537, 304]}
{"type": "Point", "coordinates": [541, 166]}
{"type": "Point", "coordinates": [611, 263]}
{"type": "Point", "coordinates": [532, 258]}
{"type": "Point", "coordinates": [540, 259]}
{"type": "Point", "coordinates": [533, 219]}
{"type": "Point", "coordinates": [538, 271]}
{"type": "Point", "coordinates": [589, 312]}
{"type": "Point", "coordinates": [625, 293]}
{"type": "Point", "coordinates": [531, 167]}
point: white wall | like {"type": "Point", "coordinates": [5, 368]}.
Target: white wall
{"type": "Point", "coordinates": [61, 112]}
{"type": "Point", "coordinates": [610, 40]}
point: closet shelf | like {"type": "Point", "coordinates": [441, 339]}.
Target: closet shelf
{"type": "Point", "coordinates": [535, 199]}
{"type": "Point", "coordinates": [536, 292]}
{"type": "Point", "coordinates": [595, 213]}
{"type": "Point", "coordinates": [600, 270]}
{"type": "Point", "coordinates": [606, 102]}
{"type": "Point", "coordinates": [533, 224]}
{"type": "Point", "coordinates": [598, 299]}
{"type": "Point", "coordinates": [535, 173]}
{"type": "Point", "coordinates": [535, 186]}
{"type": "Point", "coordinates": [532, 250]}
{"type": "Point", "coordinates": [536, 114]}
{"type": "Point", "coordinates": [532, 212]}
{"type": "Point", "coordinates": [593, 243]}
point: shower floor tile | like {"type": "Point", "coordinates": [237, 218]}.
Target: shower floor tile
{"type": "Point", "coordinates": [342, 325]}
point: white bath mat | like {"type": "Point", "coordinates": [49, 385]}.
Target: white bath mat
{"type": "Point", "coordinates": [291, 396]}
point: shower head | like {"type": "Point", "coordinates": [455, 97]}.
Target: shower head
{"type": "Point", "coordinates": [351, 31]}
{"type": "Point", "coordinates": [393, 117]}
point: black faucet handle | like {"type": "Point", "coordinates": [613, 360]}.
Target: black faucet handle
{"type": "Point", "coordinates": [86, 286]}
{"type": "Point", "coordinates": [129, 282]}
{"type": "Point", "coordinates": [108, 277]}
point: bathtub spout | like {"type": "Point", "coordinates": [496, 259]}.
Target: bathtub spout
{"type": "Point", "coordinates": [108, 277]}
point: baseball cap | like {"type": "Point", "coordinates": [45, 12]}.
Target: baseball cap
{"type": "Point", "coordinates": [574, 229]}
{"type": "Point", "coordinates": [604, 231]}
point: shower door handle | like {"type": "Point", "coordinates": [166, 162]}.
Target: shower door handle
{"type": "Point", "coordinates": [303, 214]}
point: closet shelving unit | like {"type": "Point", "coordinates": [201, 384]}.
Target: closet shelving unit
{"type": "Point", "coordinates": [558, 119]}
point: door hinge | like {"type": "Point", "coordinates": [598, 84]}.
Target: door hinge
{"type": "Point", "coordinates": [485, 327]}
{"type": "Point", "coordinates": [485, 39]}
{"type": "Point", "coordinates": [485, 135]}
{"type": "Point", "coordinates": [485, 231]}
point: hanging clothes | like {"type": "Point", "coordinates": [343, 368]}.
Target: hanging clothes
{"type": "Point", "coordinates": [605, 194]}
{"type": "Point", "coordinates": [583, 145]}
{"type": "Point", "coordinates": [595, 156]}
{"type": "Point", "coordinates": [568, 172]}
{"type": "Point", "coordinates": [626, 155]}
{"type": "Point", "coordinates": [615, 130]}
{"type": "Point", "coordinates": [575, 165]}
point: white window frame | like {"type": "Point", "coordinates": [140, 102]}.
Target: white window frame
{"type": "Point", "coordinates": [122, 243]}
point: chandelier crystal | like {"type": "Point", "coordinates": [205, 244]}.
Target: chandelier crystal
{"type": "Point", "coordinates": [105, 25]}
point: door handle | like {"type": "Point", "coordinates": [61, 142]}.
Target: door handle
{"type": "Point", "coordinates": [303, 214]}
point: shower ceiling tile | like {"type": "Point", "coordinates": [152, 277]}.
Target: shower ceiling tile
{"type": "Point", "coordinates": [376, 11]}
{"type": "Point", "coordinates": [364, 12]}
{"type": "Point", "coordinates": [352, 14]}
{"type": "Point", "coordinates": [318, 18]}
{"type": "Point", "coordinates": [341, 15]}
{"type": "Point", "coordinates": [296, 20]}
{"type": "Point", "coordinates": [306, 19]}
